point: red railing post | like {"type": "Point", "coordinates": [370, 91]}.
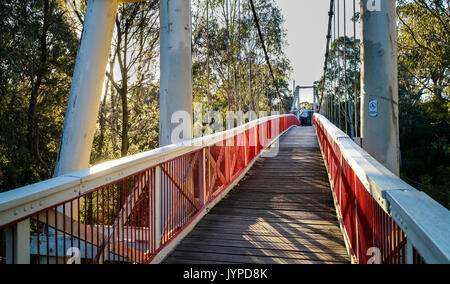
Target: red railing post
{"type": "Point", "coordinates": [227, 159]}
{"type": "Point", "coordinates": [247, 147]}
{"type": "Point", "coordinates": [204, 185]}
{"type": "Point", "coordinates": [158, 208]}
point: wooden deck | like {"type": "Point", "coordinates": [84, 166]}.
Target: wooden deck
{"type": "Point", "coordinates": [282, 212]}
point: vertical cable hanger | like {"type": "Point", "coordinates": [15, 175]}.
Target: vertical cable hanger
{"type": "Point", "coordinates": [346, 97]}
{"type": "Point", "coordinates": [207, 54]}
{"type": "Point", "coordinates": [327, 53]}
{"type": "Point", "coordinates": [334, 72]}
{"type": "Point", "coordinates": [256, 20]}
{"type": "Point", "coordinates": [330, 85]}
{"type": "Point", "coordinates": [339, 64]}
{"type": "Point", "coordinates": [239, 56]}
{"type": "Point", "coordinates": [355, 87]}
{"type": "Point", "coordinates": [249, 62]}
{"type": "Point", "coordinates": [331, 104]}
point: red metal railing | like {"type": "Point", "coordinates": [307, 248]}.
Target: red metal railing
{"type": "Point", "coordinates": [131, 219]}
{"type": "Point", "coordinates": [372, 236]}
{"type": "Point", "coordinates": [111, 224]}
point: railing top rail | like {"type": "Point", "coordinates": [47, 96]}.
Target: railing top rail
{"type": "Point", "coordinates": [377, 179]}
{"type": "Point", "coordinates": [22, 202]}
{"type": "Point", "coordinates": [425, 221]}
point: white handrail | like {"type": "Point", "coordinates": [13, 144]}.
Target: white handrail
{"type": "Point", "coordinates": [25, 201]}
{"type": "Point", "coordinates": [375, 177]}
{"type": "Point", "coordinates": [425, 222]}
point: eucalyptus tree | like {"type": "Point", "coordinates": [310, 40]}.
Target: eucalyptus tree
{"type": "Point", "coordinates": [37, 54]}
{"type": "Point", "coordinates": [230, 71]}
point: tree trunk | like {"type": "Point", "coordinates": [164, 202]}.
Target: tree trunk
{"type": "Point", "coordinates": [123, 93]}
{"type": "Point", "coordinates": [125, 120]}
{"type": "Point", "coordinates": [32, 127]}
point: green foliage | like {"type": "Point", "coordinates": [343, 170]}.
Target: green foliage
{"type": "Point", "coordinates": [230, 72]}
{"type": "Point", "coordinates": [424, 58]}
{"type": "Point", "coordinates": [37, 55]}
{"type": "Point", "coordinates": [129, 116]}
{"type": "Point", "coordinates": [38, 45]}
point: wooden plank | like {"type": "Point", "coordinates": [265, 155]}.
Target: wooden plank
{"type": "Point", "coordinates": [271, 220]}
{"type": "Point", "coordinates": [313, 206]}
{"type": "Point", "coordinates": [265, 239]}
{"type": "Point", "coordinates": [224, 233]}
{"type": "Point", "coordinates": [206, 233]}
{"type": "Point", "coordinates": [245, 259]}
{"type": "Point", "coordinates": [245, 225]}
{"type": "Point", "coordinates": [283, 199]}
{"type": "Point", "coordinates": [260, 252]}
{"type": "Point", "coordinates": [276, 230]}
{"type": "Point", "coordinates": [313, 246]}
{"type": "Point", "coordinates": [181, 260]}
{"type": "Point", "coordinates": [280, 213]}
{"type": "Point", "coordinates": [288, 189]}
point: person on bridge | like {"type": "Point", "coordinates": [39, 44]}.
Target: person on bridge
{"type": "Point", "coordinates": [304, 114]}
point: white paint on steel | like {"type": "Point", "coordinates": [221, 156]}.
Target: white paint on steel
{"type": "Point", "coordinates": [376, 178]}
{"type": "Point", "coordinates": [19, 251]}
{"type": "Point", "coordinates": [425, 222]}
{"type": "Point", "coordinates": [379, 82]}
{"type": "Point", "coordinates": [87, 84]}
{"type": "Point", "coordinates": [175, 66]}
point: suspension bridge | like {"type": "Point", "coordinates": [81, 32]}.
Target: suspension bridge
{"type": "Point", "coordinates": [268, 191]}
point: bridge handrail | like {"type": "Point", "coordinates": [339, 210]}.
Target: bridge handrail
{"type": "Point", "coordinates": [146, 170]}
{"type": "Point", "coordinates": [425, 222]}
{"type": "Point", "coordinates": [21, 202]}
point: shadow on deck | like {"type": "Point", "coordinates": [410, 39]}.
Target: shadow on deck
{"type": "Point", "coordinates": [282, 212]}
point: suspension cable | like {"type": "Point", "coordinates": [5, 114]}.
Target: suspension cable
{"type": "Point", "coordinates": [256, 19]}
{"type": "Point", "coordinates": [327, 53]}
{"type": "Point", "coordinates": [337, 110]}
{"type": "Point", "coordinates": [239, 56]}
{"type": "Point", "coordinates": [339, 106]}
{"type": "Point", "coordinates": [347, 114]}
{"type": "Point", "coordinates": [207, 55]}
{"type": "Point", "coordinates": [355, 87]}
{"type": "Point", "coordinates": [333, 99]}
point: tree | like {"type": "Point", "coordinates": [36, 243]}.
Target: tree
{"type": "Point", "coordinates": [38, 45]}
{"type": "Point", "coordinates": [424, 57]}
{"type": "Point", "coordinates": [341, 79]}
{"type": "Point", "coordinates": [38, 50]}
{"type": "Point", "coordinates": [135, 34]}
{"type": "Point", "coordinates": [230, 71]}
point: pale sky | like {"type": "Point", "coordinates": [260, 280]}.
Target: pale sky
{"type": "Point", "coordinates": [306, 24]}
